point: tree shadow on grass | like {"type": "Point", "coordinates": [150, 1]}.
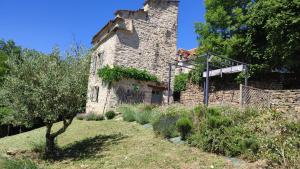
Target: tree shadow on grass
{"type": "Point", "coordinates": [90, 147]}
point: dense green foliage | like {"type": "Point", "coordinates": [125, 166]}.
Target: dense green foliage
{"type": "Point", "coordinates": [184, 126]}
{"type": "Point", "coordinates": [165, 125]}
{"type": "Point", "coordinates": [110, 115]}
{"type": "Point", "coordinates": [46, 87]}
{"type": "Point", "coordinates": [128, 112]}
{"type": "Point", "coordinates": [8, 50]}
{"type": "Point", "coordinates": [248, 134]}
{"type": "Point", "coordinates": [263, 33]}
{"type": "Point", "coordinates": [117, 73]}
{"type": "Point", "coordinates": [180, 82]}
{"type": "Point", "coordinates": [220, 135]}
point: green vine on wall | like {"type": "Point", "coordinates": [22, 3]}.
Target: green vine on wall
{"type": "Point", "coordinates": [117, 73]}
{"type": "Point", "coordinates": [180, 82]}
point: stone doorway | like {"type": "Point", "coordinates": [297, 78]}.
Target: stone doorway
{"type": "Point", "coordinates": [157, 96]}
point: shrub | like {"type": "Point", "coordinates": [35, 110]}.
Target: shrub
{"type": "Point", "coordinates": [143, 117]}
{"type": "Point", "coordinates": [199, 111]}
{"type": "Point", "coordinates": [218, 134]}
{"type": "Point", "coordinates": [94, 117]}
{"type": "Point", "coordinates": [184, 126]}
{"type": "Point", "coordinates": [110, 115]}
{"type": "Point", "coordinates": [90, 117]}
{"type": "Point", "coordinates": [180, 82]}
{"type": "Point", "coordinates": [80, 116]}
{"type": "Point", "coordinates": [214, 111]}
{"type": "Point", "coordinates": [19, 164]}
{"type": "Point", "coordinates": [165, 125]}
{"type": "Point", "coordinates": [128, 114]}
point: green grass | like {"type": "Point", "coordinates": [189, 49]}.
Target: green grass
{"type": "Point", "coordinates": [115, 144]}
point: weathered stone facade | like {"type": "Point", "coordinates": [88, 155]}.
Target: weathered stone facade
{"type": "Point", "coordinates": [286, 100]}
{"type": "Point", "coordinates": [194, 95]}
{"type": "Point", "coordinates": [143, 39]}
{"type": "Point", "coordinates": [280, 100]}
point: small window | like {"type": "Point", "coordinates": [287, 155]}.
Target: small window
{"type": "Point", "coordinates": [157, 97]}
{"type": "Point", "coordinates": [94, 65]}
{"type": "Point", "coordinates": [94, 94]}
{"type": "Point", "coordinates": [101, 59]}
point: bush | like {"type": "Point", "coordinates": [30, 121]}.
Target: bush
{"type": "Point", "coordinates": [143, 117]}
{"type": "Point", "coordinates": [80, 116]}
{"type": "Point", "coordinates": [94, 117]}
{"type": "Point", "coordinates": [19, 164]}
{"type": "Point", "coordinates": [165, 125]}
{"type": "Point", "coordinates": [90, 117]}
{"type": "Point", "coordinates": [110, 115]}
{"type": "Point", "coordinates": [180, 82]}
{"type": "Point", "coordinates": [128, 114]}
{"type": "Point", "coordinates": [184, 126]}
{"type": "Point", "coordinates": [219, 134]}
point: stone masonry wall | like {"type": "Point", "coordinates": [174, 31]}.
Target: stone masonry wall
{"type": "Point", "coordinates": [149, 42]}
{"type": "Point", "coordinates": [281, 100]}
{"type": "Point", "coordinates": [286, 100]}
{"type": "Point", "coordinates": [194, 95]}
{"type": "Point", "coordinates": [109, 50]}
{"type": "Point", "coordinates": [152, 44]}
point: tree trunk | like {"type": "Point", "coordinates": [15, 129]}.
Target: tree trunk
{"type": "Point", "coordinates": [50, 145]}
{"type": "Point", "coordinates": [50, 148]}
{"type": "Point", "coordinates": [8, 130]}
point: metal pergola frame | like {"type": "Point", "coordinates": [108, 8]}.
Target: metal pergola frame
{"type": "Point", "coordinates": [208, 64]}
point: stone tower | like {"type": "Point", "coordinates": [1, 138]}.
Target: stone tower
{"type": "Point", "coordinates": [145, 39]}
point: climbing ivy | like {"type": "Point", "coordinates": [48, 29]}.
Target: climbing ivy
{"type": "Point", "coordinates": [180, 82]}
{"type": "Point", "coordinates": [117, 73]}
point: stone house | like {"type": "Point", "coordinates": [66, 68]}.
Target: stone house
{"type": "Point", "coordinates": [145, 39]}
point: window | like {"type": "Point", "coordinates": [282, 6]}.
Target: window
{"type": "Point", "coordinates": [157, 97]}
{"type": "Point", "coordinates": [101, 59]}
{"type": "Point", "coordinates": [94, 94]}
{"type": "Point", "coordinates": [94, 65]}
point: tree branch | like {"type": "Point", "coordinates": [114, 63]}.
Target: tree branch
{"type": "Point", "coordinates": [48, 131]}
{"type": "Point", "coordinates": [66, 124]}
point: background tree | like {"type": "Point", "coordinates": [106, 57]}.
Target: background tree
{"type": "Point", "coordinates": [8, 50]}
{"type": "Point", "coordinates": [47, 88]}
{"type": "Point", "coordinates": [264, 33]}
{"type": "Point", "coordinates": [273, 37]}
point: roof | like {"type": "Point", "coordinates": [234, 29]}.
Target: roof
{"type": "Point", "coordinates": [112, 23]}
{"type": "Point", "coordinates": [107, 26]}
{"type": "Point", "coordinates": [185, 55]}
{"type": "Point", "coordinates": [129, 11]}
{"type": "Point", "coordinates": [147, 1]}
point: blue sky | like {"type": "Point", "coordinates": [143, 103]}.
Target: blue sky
{"type": "Point", "coordinates": [42, 24]}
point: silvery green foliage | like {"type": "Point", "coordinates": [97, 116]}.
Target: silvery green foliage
{"type": "Point", "coordinates": [46, 87]}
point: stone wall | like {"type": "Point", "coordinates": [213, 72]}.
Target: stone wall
{"type": "Point", "coordinates": [286, 100]}
{"type": "Point", "coordinates": [281, 100]}
{"type": "Point", "coordinates": [194, 95]}
{"type": "Point", "coordinates": [153, 42]}
{"type": "Point", "coordinates": [108, 49]}
{"type": "Point", "coordinates": [145, 39]}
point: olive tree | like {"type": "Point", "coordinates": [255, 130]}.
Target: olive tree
{"type": "Point", "coordinates": [49, 88]}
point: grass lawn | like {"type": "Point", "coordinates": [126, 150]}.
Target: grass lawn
{"type": "Point", "coordinates": [115, 144]}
